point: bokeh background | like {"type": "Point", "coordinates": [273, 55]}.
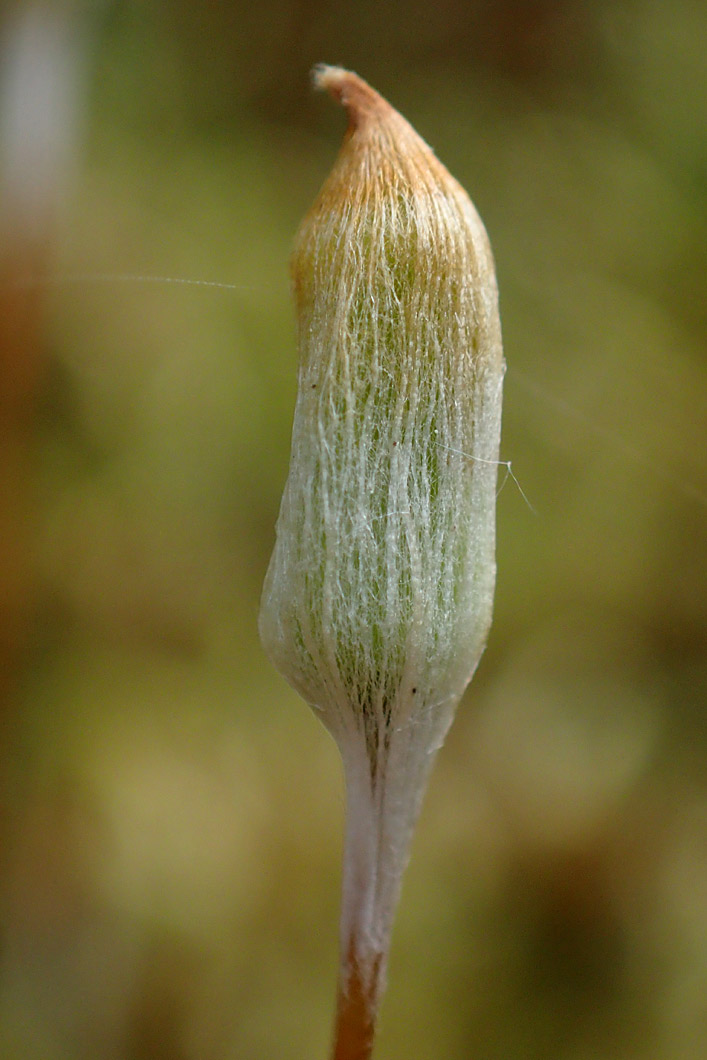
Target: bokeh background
{"type": "Point", "coordinates": [170, 835]}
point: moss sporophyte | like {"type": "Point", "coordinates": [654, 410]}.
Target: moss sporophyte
{"type": "Point", "coordinates": [378, 598]}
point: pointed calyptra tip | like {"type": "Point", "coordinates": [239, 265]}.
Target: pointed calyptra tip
{"type": "Point", "coordinates": [334, 78]}
{"type": "Point", "coordinates": [351, 91]}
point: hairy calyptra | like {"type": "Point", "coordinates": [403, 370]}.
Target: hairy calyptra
{"type": "Point", "coordinates": [378, 598]}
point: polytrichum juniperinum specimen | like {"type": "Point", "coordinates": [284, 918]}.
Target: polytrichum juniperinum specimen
{"type": "Point", "coordinates": [378, 598]}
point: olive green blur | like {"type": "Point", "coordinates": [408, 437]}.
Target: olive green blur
{"type": "Point", "coordinates": [172, 814]}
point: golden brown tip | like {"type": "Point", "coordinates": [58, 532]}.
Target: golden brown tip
{"type": "Point", "coordinates": [354, 94]}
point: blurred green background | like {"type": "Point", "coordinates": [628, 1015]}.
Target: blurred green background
{"type": "Point", "coordinates": [172, 814]}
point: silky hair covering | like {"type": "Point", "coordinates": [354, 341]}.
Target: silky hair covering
{"type": "Point", "coordinates": [378, 598]}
